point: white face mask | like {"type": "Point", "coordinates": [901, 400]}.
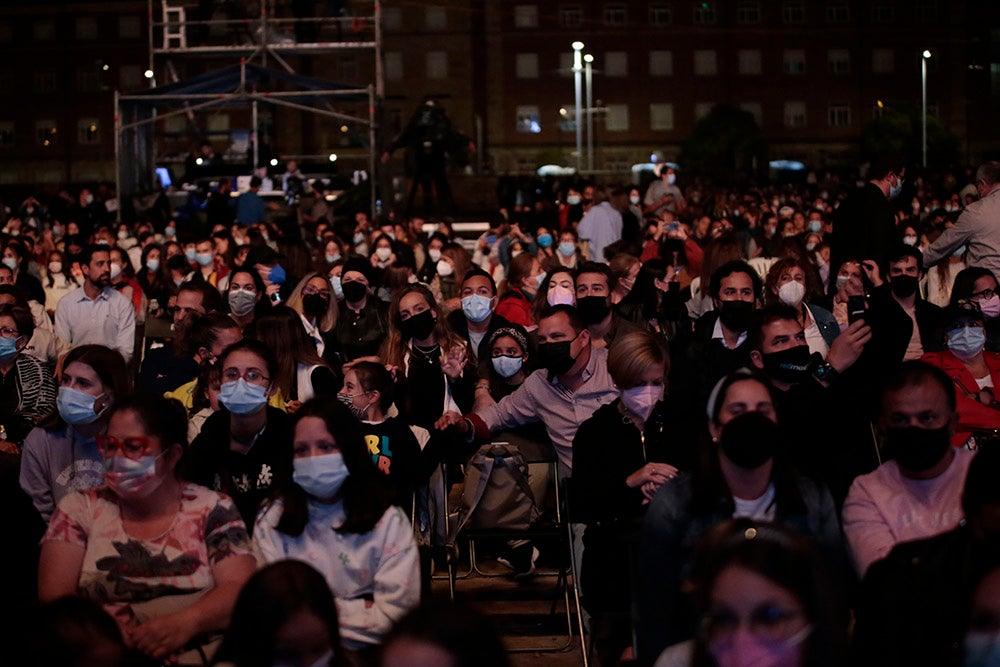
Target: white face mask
{"type": "Point", "coordinates": [383, 253]}
{"type": "Point", "coordinates": [434, 254]}
{"type": "Point", "coordinates": [792, 292]}
{"type": "Point", "coordinates": [634, 199]}
{"type": "Point", "coordinates": [444, 268]}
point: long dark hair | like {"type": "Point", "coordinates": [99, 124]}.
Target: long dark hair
{"type": "Point", "coordinates": [108, 364]}
{"type": "Point", "coordinates": [365, 492]}
{"type": "Point", "coordinates": [708, 483]}
{"type": "Point", "coordinates": [965, 282]}
{"type": "Point", "coordinates": [272, 596]}
{"type": "Point", "coordinates": [784, 558]}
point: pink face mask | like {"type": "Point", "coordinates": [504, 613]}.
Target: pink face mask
{"type": "Point", "coordinates": [560, 295]}
{"type": "Point", "coordinates": [990, 307]}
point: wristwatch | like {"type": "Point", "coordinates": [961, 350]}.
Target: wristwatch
{"type": "Point", "coordinates": [825, 372]}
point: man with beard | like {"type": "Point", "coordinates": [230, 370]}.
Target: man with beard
{"type": "Point", "coordinates": [594, 283]}
{"type": "Point", "coordinates": [916, 493]}
{"type": "Point", "coordinates": [96, 313]}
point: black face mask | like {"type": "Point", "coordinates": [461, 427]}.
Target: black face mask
{"type": "Point", "coordinates": [314, 305]}
{"type": "Point", "coordinates": [903, 286]}
{"type": "Point", "coordinates": [791, 365]}
{"type": "Point", "coordinates": [354, 291]}
{"type": "Point", "coordinates": [418, 326]}
{"type": "Point", "coordinates": [556, 357]}
{"type": "Point", "coordinates": [749, 440]}
{"type": "Point", "coordinates": [916, 449]}
{"type": "Point", "coordinates": [735, 315]}
{"type": "Point", "coordinates": [593, 309]}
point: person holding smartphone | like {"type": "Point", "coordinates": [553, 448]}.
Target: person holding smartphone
{"type": "Point", "coordinates": [267, 263]}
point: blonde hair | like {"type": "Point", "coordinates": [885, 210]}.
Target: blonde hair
{"type": "Point", "coordinates": [633, 354]}
{"type": "Point", "coordinates": [329, 319]}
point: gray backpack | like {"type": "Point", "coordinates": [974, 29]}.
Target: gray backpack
{"type": "Point", "coordinates": [496, 493]}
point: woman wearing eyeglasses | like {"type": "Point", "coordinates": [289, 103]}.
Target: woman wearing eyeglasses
{"type": "Point", "coordinates": [764, 598]}
{"type": "Point", "coordinates": [164, 557]}
{"type": "Point", "coordinates": [242, 449]}
{"type": "Point", "coordinates": [60, 455]}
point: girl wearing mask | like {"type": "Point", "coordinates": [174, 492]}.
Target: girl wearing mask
{"type": "Point", "coordinates": [314, 301]}
{"type": "Point", "coordinates": [152, 278]}
{"type": "Point", "coordinates": [122, 544]}
{"type": "Point", "coordinates": [795, 283]}
{"type": "Point", "coordinates": [975, 371]}
{"type": "Point", "coordinates": [242, 449]}
{"type": "Point", "coordinates": [433, 374]}
{"type": "Point", "coordinates": [560, 288]}
{"type": "Point", "coordinates": [764, 597]}
{"type": "Point", "coordinates": [59, 280]}
{"type": "Point", "coordinates": [610, 493]}
{"type": "Point", "coordinates": [567, 253]}
{"type": "Point", "coordinates": [524, 280]}
{"type": "Point", "coordinates": [246, 289]}
{"type": "Point", "coordinates": [30, 390]}
{"type": "Point", "coordinates": [546, 246]}
{"type": "Point", "coordinates": [332, 252]}
{"type": "Point", "coordinates": [428, 270]}
{"type": "Point", "coordinates": [336, 515]}
{"type": "Point", "coordinates": [446, 284]}
{"type": "Point", "coordinates": [740, 472]}
{"type": "Point", "coordinates": [60, 455]}
{"type": "Point", "coordinates": [980, 286]}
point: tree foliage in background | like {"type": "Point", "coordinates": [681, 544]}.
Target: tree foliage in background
{"type": "Point", "coordinates": [898, 129]}
{"type": "Point", "coordinates": [725, 144]}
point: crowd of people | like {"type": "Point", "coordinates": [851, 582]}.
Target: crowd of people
{"type": "Point", "coordinates": [774, 410]}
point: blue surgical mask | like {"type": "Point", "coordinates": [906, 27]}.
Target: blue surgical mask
{"type": "Point", "coordinates": [330, 259]}
{"type": "Point", "coordinates": [476, 307]}
{"type": "Point", "coordinates": [242, 398]}
{"type": "Point", "coordinates": [169, 231]}
{"type": "Point", "coordinates": [359, 238]}
{"type": "Point", "coordinates": [320, 476]}
{"type": "Point", "coordinates": [337, 286]}
{"type": "Point", "coordinates": [277, 275]}
{"type": "Point", "coordinates": [190, 254]}
{"type": "Point", "coordinates": [894, 190]}
{"type": "Point", "coordinates": [76, 407]}
{"type": "Point", "coordinates": [982, 649]}
{"type": "Point", "coordinates": [966, 342]}
{"type": "Point", "coordinates": [566, 249]}
{"type": "Point", "coordinates": [8, 348]}
{"type": "Point", "coordinates": [573, 200]}
{"type": "Point", "coordinates": [153, 265]}
{"type": "Point", "coordinates": [815, 226]}
{"type": "Point", "coordinates": [204, 258]}
{"type": "Point", "coordinates": [507, 366]}
{"type": "Point", "coordinates": [544, 240]}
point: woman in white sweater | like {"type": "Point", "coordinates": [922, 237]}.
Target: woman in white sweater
{"type": "Point", "coordinates": [337, 517]}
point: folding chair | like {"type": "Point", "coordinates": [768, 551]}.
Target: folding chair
{"type": "Point", "coordinates": [558, 532]}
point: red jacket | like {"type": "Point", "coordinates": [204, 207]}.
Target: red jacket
{"type": "Point", "coordinates": [971, 413]}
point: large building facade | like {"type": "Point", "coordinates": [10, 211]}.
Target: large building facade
{"type": "Point", "coordinates": [812, 73]}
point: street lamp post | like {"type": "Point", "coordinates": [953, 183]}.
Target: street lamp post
{"type": "Point", "coordinates": [577, 73]}
{"type": "Point", "coordinates": [589, 60]}
{"type": "Point", "coordinates": [925, 56]}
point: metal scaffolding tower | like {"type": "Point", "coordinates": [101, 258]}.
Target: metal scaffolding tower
{"type": "Point", "coordinates": [182, 29]}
